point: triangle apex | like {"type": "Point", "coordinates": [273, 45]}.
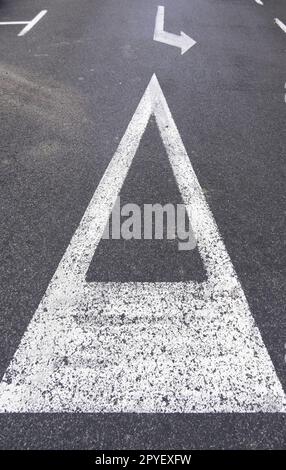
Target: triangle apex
{"type": "Point", "coordinates": [154, 79]}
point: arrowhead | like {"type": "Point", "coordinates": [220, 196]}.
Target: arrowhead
{"type": "Point", "coordinates": [186, 42]}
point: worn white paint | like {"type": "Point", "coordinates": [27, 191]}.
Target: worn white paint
{"type": "Point", "coordinates": [183, 42]}
{"type": "Point", "coordinates": [28, 24]}
{"type": "Point", "coordinates": [259, 2]}
{"type": "Point", "coordinates": [32, 23]}
{"type": "Point", "coordinates": [143, 347]}
{"type": "Point", "coordinates": [280, 24]}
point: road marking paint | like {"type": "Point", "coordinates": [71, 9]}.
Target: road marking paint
{"type": "Point", "coordinates": [143, 347]}
{"type": "Point", "coordinates": [6, 23]}
{"type": "Point", "coordinates": [28, 24]}
{"type": "Point", "coordinates": [32, 23]}
{"type": "Point", "coordinates": [280, 24]}
{"type": "Point", "coordinates": [183, 42]}
{"type": "Point", "coordinates": [259, 2]}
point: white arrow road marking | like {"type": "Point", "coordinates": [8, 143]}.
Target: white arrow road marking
{"type": "Point", "coordinates": [143, 347]}
{"type": "Point", "coordinates": [184, 42]}
{"type": "Point", "coordinates": [29, 24]}
{"type": "Point", "coordinates": [280, 24]}
{"type": "Point", "coordinates": [259, 2]}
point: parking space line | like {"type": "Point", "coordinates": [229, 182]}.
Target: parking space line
{"type": "Point", "coordinates": [28, 24]}
{"type": "Point", "coordinates": [143, 347]}
{"type": "Point", "coordinates": [280, 24]}
{"type": "Point", "coordinates": [182, 41]}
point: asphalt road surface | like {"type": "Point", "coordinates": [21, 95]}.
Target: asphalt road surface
{"type": "Point", "coordinates": [69, 88]}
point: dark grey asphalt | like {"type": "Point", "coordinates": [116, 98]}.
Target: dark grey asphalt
{"type": "Point", "coordinates": [67, 93]}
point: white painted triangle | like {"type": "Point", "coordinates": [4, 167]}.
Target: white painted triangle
{"type": "Point", "coordinates": [143, 347]}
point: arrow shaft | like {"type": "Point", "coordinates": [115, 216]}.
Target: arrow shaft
{"type": "Point", "coordinates": [28, 24]}
{"type": "Point", "coordinates": [168, 38]}
{"type": "Point", "coordinates": [163, 36]}
{"type": "Point", "coordinates": [159, 23]}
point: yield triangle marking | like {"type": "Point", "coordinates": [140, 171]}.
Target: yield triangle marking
{"type": "Point", "coordinates": [143, 347]}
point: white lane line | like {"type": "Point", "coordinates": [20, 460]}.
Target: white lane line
{"type": "Point", "coordinates": [280, 24]}
{"type": "Point", "coordinates": [259, 2]}
{"type": "Point", "coordinates": [183, 42]}
{"type": "Point", "coordinates": [28, 24]}
{"type": "Point", "coordinates": [32, 23]}
{"type": "Point", "coordinates": [143, 347]}
{"type": "Point", "coordinates": [7, 23]}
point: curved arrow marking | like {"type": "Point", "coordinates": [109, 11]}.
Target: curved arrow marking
{"type": "Point", "coordinates": [184, 42]}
